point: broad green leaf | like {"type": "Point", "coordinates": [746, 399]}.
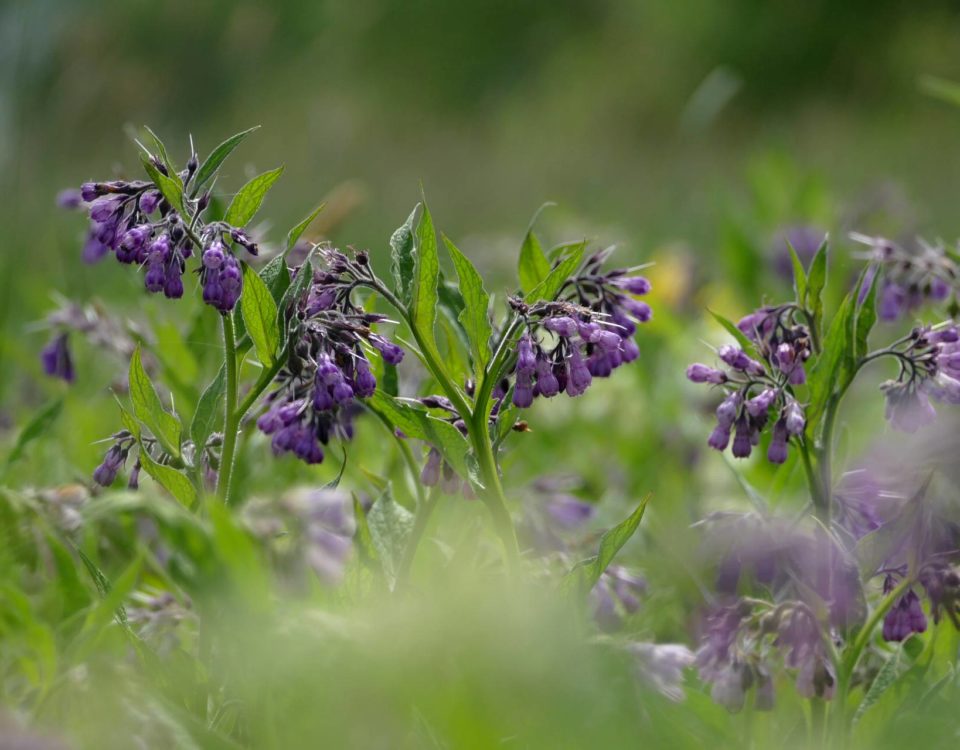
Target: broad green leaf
{"type": "Point", "coordinates": [866, 318]}
{"type": "Point", "coordinates": [298, 286]}
{"type": "Point", "coordinates": [246, 203]}
{"type": "Point", "coordinates": [390, 525]}
{"type": "Point", "coordinates": [745, 343]}
{"type": "Point", "coordinates": [423, 302]}
{"type": "Point", "coordinates": [260, 316]}
{"type": "Point", "coordinates": [175, 482]}
{"type": "Point", "coordinates": [209, 414]}
{"type": "Point", "coordinates": [219, 155]}
{"type": "Point", "coordinates": [474, 317]}
{"type": "Point", "coordinates": [38, 425]}
{"type": "Point", "coordinates": [418, 424]}
{"type": "Point", "coordinates": [149, 410]}
{"type": "Point", "coordinates": [816, 281]}
{"type": "Point", "coordinates": [363, 538]}
{"type": "Point", "coordinates": [403, 257]}
{"type": "Point", "coordinates": [170, 187]}
{"type": "Point", "coordinates": [276, 276]}
{"type": "Point", "coordinates": [533, 266]}
{"type": "Point", "coordinates": [551, 286]}
{"type": "Point", "coordinates": [587, 573]}
{"type": "Point", "coordinates": [799, 276]}
{"type": "Point", "coordinates": [294, 234]}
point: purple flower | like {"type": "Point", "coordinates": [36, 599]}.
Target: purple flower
{"type": "Point", "coordinates": [700, 373]}
{"type": "Point", "coordinates": [113, 461]}
{"type": "Point", "coordinates": [905, 616]}
{"type": "Point", "coordinates": [56, 359]}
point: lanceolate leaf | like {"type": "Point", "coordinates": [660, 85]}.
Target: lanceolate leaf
{"type": "Point", "coordinates": [219, 155]}
{"type": "Point", "coordinates": [550, 286]}
{"type": "Point", "coordinates": [816, 281]}
{"type": "Point", "coordinates": [260, 316]}
{"type": "Point", "coordinates": [833, 370]}
{"type": "Point", "coordinates": [533, 266]}
{"type": "Point", "coordinates": [209, 414]}
{"type": "Point", "coordinates": [389, 524]}
{"type": "Point", "coordinates": [403, 259]}
{"type": "Point", "coordinates": [423, 303]}
{"type": "Point", "coordinates": [246, 203]}
{"type": "Point", "coordinates": [40, 423]}
{"type": "Point", "coordinates": [867, 315]}
{"type": "Point", "coordinates": [474, 317]}
{"type": "Point", "coordinates": [730, 328]}
{"type": "Point", "coordinates": [799, 277]}
{"type": "Point", "coordinates": [586, 574]}
{"type": "Point", "coordinates": [276, 276]}
{"type": "Point", "coordinates": [294, 234]}
{"type": "Point", "coordinates": [149, 409]}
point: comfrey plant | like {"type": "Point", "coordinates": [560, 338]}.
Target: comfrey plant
{"type": "Point", "coordinates": [812, 598]}
{"type": "Point", "coordinates": [318, 333]}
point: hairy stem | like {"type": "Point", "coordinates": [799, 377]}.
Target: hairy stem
{"type": "Point", "coordinates": [424, 511]}
{"type": "Point", "coordinates": [231, 415]}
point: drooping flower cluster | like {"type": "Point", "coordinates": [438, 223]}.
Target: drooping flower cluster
{"type": "Point", "coordinates": [742, 642]}
{"type": "Point", "coordinates": [586, 333]}
{"type": "Point", "coordinates": [908, 280]}
{"type": "Point", "coordinates": [929, 361]}
{"type": "Point", "coordinates": [116, 458]}
{"type": "Point", "coordinates": [760, 393]}
{"type": "Point", "coordinates": [131, 219]}
{"type": "Point", "coordinates": [306, 528]}
{"type": "Point", "coordinates": [327, 366]}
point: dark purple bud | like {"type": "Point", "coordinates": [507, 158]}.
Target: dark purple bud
{"type": "Point", "coordinates": [629, 351]}
{"type": "Point", "coordinates": [213, 256]}
{"type": "Point", "coordinates": [699, 373]}
{"type": "Point", "coordinates": [90, 191]}
{"type": "Point", "coordinates": [719, 438]}
{"type": "Point", "coordinates": [104, 210]}
{"type": "Point", "coordinates": [639, 310]}
{"type": "Point", "coordinates": [905, 618]}
{"type": "Point", "coordinates": [134, 482]}
{"type": "Point", "coordinates": [743, 439]}
{"type": "Point", "coordinates": [777, 452]}
{"type": "Point", "coordinates": [547, 384]}
{"type": "Point", "coordinates": [634, 284]}
{"type": "Point", "coordinates": [364, 381]}
{"type": "Point", "coordinates": [159, 250]}
{"type": "Point", "coordinates": [736, 358]}
{"type": "Point", "coordinates": [728, 410]}
{"type": "Point", "coordinates": [526, 360]}
{"type": "Point", "coordinates": [392, 354]}
{"type": "Point", "coordinates": [342, 392]}
{"type": "Point", "coordinates": [892, 302]}
{"type": "Point", "coordinates": [523, 391]}
{"type": "Point", "coordinates": [149, 200]}
{"type": "Point", "coordinates": [56, 359]}
{"type": "Point", "coordinates": [578, 376]}
{"type": "Point", "coordinates": [113, 461]}
{"type": "Point", "coordinates": [561, 325]}
{"type": "Point", "coordinates": [798, 375]}
{"type": "Point", "coordinates": [761, 403]}
{"type": "Point", "coordinates": [794, 419]}
{"type": "Point", "coordinates": [173, 282]}
{"type": "Point", "coordinates": [155, 277]}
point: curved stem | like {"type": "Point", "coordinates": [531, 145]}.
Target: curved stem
{"type": "Point", "coordinates": [492, 494]}
{"type": "Point", "coordinates": [813, 481]}
{"type": "Point", "coordinates": [866, 632]}
{"type": "Point", "coordinates": [231, 419]}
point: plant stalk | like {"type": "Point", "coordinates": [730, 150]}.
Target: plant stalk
{"type": "Point", "coordinates": [231, 414]}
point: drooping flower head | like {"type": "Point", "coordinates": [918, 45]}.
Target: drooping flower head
{"type": "Point", "coordinates": [908, 279]}
{"type": "Point", "coordinates": [586, 333]}
{"type": "Point", "coordinates": [327, 366]}
{"type": "Point", "coordinates": [758, 392]}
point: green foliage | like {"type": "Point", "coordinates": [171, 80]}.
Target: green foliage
{"type": "Point", "coordinates": [260, 316]}
{"type": "Point", "coordinates": [217, 157]}
{"type": "Point", "coordinates": [476, 303]}
{"type": "Point", "coordinates": [149, 409]}
{"type": "Point", "coordinates": [247, 201]}
{"type": "Point", "coordinates": [403, 257]}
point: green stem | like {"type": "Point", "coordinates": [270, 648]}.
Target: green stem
{"type": "Point", "coordinates": [866, 632]}
{"type": "Point", "coordinates": [813, 481]}
{"type": "Point", "coordinates": [424, 511]}
{"type": "Point", "coordinates": [492, 494]}
{"type": "Point", "coordinates": [231, 416]}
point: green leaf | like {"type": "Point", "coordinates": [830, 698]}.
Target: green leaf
{"type": "Point", "coordinates": [276, 276]}
{"type": "Point", "coordinates": [533, 266]}
{"type": "Point", "coordinates": [297, 286]}
{"type": "Point", "coordinates": [170, 187]}
{"type": "Point", "coordinates": [886, 677]}
{"type": "Point", "coordinates": [294, 234]}
{"type": "Point", "coordinates": [403, 257]}
{"type": "Point", "coordinates": [160, 149]}
{"type": "Point", "coordinates": [587, 573]}
{"type": "Point", "coordinates": [390, 525]}
{"type": "Point", "coordinates": [836, 364]}
{"type": "Point", "coordinates": [363, 538]}
{"type": "Point", "coordinates": [260, 316]}
{"type": "Point", "coordinates": [799, 276]}
{"type": "Point", "coordinates": [39, 424]}
{"type": "Point", "coordinates": [149, 409]}
{"type": "Point", "coordinates": [209, 414]}
{"type": "Point", "coordinates": [219, 155]}
{"type": "Point", "coordinates": [816, 281]}
{"type": "Point", "coordinates": [423, 303]}
{"type": "Point", "coordinates": [550, 286]}
{"type": "Point", "coordinates": [474, 317]}
{"type": "Point", "coordinates": [418, 424]}
{"type": "Point", "coordinates": [246, 203]}
{"type": "Point", "coordinates": [745, 343]}
{"type": "Point", "coordinates": [866, 317]}
{"type": "Point", "coordinates": [942, 89]}
{"type": "Point", "coordinates": [176, 483]}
